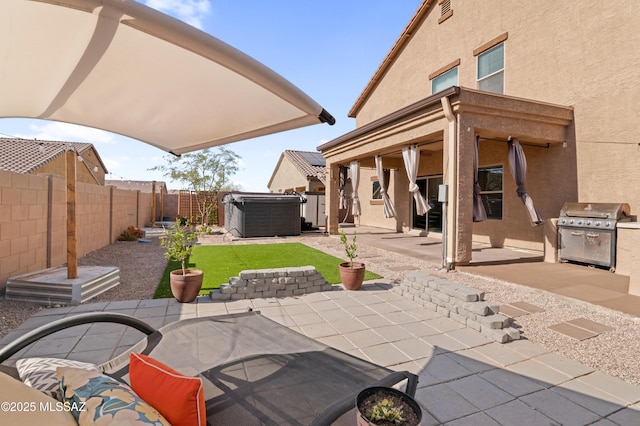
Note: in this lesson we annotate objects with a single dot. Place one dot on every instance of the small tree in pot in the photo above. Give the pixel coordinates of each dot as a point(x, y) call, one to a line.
point(179, 242)
point(351, 273)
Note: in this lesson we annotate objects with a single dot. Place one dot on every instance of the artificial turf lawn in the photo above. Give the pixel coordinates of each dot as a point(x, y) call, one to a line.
point(220, 263)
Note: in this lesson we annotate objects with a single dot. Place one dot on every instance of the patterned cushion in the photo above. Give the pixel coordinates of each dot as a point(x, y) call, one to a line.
point(96, 399)
point(40, 373)
point(26, 406)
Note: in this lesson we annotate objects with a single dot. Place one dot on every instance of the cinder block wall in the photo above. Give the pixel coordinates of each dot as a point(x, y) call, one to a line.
point(33, 224)
point(23, 224)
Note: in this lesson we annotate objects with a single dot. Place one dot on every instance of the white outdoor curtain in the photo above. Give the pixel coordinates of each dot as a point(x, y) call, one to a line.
point(518, 165)
point(479, 212)
point(411, 156)
point(383, 178)
point(342, 181)
point(355, 180)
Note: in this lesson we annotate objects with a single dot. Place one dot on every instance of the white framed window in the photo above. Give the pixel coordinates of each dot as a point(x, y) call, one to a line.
point(445, 80)
point(490, 180)
point(491, 70)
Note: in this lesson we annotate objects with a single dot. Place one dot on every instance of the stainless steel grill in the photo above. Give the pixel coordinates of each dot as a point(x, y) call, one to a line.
point(587, 232)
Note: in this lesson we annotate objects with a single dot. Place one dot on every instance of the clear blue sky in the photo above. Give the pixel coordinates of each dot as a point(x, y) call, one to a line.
point(329, 49)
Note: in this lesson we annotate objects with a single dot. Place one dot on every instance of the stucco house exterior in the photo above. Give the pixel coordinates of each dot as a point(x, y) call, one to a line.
point(41, 157)
point(302, 172)
point(559, 82)
point(299, 171)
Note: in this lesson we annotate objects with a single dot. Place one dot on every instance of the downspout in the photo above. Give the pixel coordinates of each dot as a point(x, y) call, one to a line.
point(450, 170)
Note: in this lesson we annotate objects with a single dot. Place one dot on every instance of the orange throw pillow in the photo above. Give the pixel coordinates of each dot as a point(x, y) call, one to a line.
point(179, 398)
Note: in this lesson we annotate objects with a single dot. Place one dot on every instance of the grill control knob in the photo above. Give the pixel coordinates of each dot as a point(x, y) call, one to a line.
point(579, 222)
point(570, 220)
point(598, 223)
point(588, 223)
point(607, 224)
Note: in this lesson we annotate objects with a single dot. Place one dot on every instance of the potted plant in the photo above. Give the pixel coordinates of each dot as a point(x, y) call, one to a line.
point(385, 406)
point(351, 273)
point(178, 242)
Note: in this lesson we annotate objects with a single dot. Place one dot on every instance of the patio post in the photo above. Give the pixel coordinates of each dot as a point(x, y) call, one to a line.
point(458, 155)
point(72, 242)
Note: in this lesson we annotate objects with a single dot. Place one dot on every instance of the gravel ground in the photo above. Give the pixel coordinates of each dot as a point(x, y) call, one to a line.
point(141, 267)
point(613, 352)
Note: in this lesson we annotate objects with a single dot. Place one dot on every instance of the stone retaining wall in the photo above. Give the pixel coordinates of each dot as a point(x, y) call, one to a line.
point(276, 282)
point(463, 304)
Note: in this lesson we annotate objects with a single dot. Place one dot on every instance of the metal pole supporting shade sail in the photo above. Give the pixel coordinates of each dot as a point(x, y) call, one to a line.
point(411, 156)
point(383, 178)
point(479, 212)
point(518, 165)
point(354, 168)
point(121, 66)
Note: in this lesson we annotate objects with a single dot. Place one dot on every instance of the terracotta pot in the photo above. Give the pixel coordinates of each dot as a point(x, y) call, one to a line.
point(368, 397)
point(352, 275)
point(185, 288)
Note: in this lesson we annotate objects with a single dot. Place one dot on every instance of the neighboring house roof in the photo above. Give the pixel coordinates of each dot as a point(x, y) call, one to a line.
point(144, 186)
point(28, 155)
point(397, 47)
point(310, 164)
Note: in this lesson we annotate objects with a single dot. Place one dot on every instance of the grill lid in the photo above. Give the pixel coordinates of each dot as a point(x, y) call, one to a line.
point(614, 211)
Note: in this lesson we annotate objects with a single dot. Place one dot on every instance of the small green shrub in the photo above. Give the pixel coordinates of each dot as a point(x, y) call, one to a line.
point(179, 242)
point(350, 248)
point(131, 234)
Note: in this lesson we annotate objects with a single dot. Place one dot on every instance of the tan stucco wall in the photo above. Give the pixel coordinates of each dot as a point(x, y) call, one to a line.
point(585, 56)
point(84, 168)
point(287, 177)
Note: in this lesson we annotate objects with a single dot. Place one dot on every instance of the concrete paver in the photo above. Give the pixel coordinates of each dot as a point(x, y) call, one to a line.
point(464, 378)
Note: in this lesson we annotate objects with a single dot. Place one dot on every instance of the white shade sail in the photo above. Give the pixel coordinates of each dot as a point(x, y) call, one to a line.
point(121, 66)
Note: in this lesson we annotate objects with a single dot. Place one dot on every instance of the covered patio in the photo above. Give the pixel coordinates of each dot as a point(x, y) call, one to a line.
point(450, 134)
point(523, 267)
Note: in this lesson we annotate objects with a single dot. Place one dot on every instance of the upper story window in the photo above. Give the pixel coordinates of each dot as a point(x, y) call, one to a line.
point(491, 69)
point(445, 77)
point(445, 80)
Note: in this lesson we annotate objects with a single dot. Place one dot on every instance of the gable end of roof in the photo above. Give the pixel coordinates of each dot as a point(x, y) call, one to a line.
point(400, 43)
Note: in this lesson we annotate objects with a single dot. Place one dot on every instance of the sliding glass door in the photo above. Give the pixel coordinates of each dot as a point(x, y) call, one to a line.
point(432, 221)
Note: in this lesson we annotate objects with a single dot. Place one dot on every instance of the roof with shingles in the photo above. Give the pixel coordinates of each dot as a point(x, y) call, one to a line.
point(300, 159)
point(27, 155)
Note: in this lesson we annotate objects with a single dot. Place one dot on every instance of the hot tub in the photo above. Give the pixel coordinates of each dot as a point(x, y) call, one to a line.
point(261, 215)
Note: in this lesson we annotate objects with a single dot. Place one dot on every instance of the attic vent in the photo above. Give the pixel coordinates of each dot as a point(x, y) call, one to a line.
point(445, 7)
point(445, 10)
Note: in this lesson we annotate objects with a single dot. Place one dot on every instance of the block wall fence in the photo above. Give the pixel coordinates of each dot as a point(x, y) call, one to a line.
point(33, 226)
